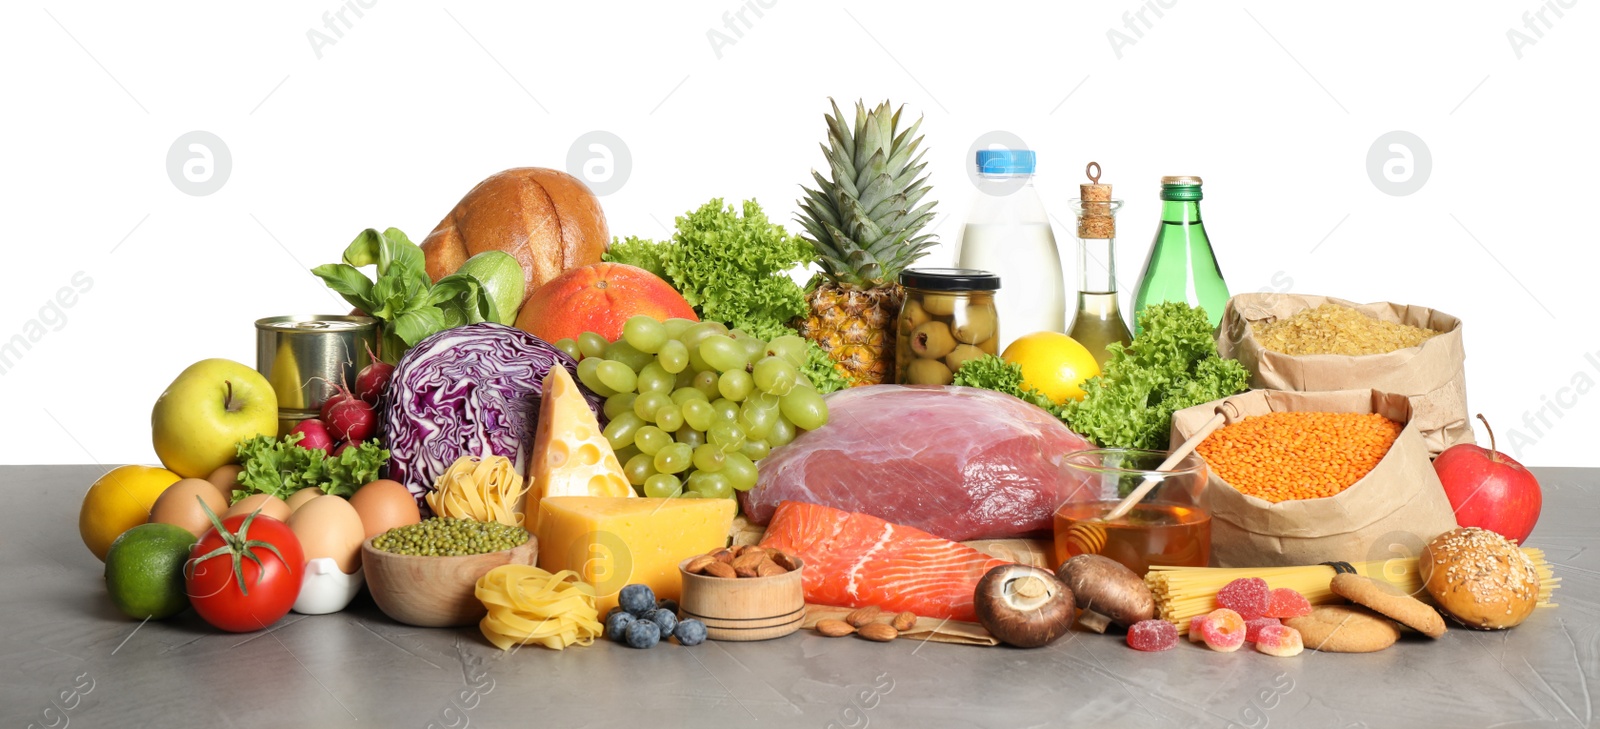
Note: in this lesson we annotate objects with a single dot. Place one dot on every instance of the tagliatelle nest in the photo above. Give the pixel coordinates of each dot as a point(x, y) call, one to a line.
point(483, 489)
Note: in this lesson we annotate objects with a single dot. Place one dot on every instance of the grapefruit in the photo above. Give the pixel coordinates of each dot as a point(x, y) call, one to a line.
point(599, 298)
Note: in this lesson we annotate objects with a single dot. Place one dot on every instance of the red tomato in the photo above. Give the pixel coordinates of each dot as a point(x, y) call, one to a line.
point(234, 592)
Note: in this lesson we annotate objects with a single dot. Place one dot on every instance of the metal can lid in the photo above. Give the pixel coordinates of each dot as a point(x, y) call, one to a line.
point(949, 279)
point(315, 323)
point(1181, 180)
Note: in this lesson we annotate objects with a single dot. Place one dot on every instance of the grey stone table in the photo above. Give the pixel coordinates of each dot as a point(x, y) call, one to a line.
point(67, 657)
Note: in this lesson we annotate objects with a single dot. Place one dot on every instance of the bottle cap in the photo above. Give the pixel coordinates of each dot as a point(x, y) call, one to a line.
point(1181, 187)
point(949, 279)
point(1006, 161)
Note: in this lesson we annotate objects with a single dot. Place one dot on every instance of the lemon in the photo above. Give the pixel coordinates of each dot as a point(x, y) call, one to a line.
point(144, 570)
point(119, 501)
point(1053, 363)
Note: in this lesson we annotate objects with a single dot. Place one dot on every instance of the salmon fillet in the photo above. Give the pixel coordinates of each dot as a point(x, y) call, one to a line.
point(856, 560)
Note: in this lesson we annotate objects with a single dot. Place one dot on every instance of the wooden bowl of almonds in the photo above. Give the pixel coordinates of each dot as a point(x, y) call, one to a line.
point(744, 593)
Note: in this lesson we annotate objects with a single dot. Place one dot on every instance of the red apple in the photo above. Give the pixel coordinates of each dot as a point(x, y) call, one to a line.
point(1489, 489)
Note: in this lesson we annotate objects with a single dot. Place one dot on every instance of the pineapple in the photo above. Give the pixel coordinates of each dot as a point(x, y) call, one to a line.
point(864, 223)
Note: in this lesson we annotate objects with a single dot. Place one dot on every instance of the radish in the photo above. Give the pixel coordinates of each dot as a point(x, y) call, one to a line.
point(351, 419)
point(340, 450)
point(373, 380)
point(340, 394)
point(314, 435)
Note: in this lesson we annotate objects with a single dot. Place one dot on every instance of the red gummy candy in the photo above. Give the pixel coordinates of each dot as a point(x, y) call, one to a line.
point(1152, 635)
point(1280, 640)
point(1223, 630)
point(1253, 626)
point(1195, 624)
point(1247, 596)
point(1286, 603)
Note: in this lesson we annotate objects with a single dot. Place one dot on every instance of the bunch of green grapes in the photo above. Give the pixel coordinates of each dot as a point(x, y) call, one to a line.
point(693, 405)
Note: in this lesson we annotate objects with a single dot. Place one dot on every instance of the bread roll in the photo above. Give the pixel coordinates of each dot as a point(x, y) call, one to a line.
point(1479, 578)
point(547, 219)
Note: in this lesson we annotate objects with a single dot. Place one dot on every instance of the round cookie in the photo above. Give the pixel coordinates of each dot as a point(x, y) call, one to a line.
point(1391, 603)
point(1345, 629)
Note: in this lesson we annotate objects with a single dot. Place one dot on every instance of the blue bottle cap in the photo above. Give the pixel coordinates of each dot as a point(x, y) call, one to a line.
point(1006, 161)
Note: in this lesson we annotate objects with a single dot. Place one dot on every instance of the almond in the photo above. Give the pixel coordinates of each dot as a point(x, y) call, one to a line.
point(769, 568)
point(724, 556)
point(834, 628)
point(904, 621)
point(784, 559)
point(747, 562)
point(721, 569)
point(879, 632)
point(699, 564)
point(862, 616)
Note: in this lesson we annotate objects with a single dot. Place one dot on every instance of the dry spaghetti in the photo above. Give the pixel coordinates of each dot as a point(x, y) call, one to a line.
point(482, 489)
point(529, 605)
point(1185, 592)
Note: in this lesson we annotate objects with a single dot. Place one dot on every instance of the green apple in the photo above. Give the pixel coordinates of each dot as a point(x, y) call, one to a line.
point(213, 405)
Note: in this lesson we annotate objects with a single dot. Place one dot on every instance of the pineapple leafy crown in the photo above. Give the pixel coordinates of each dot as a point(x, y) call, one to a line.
point(864, 219)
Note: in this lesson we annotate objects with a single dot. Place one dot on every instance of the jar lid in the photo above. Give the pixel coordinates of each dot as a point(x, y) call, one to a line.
point(949, 279)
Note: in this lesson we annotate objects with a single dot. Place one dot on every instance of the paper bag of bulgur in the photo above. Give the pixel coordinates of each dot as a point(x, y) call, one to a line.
point(1401, 496)
point(1432, 375)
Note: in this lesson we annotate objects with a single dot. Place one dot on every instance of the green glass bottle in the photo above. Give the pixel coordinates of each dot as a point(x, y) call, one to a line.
point(1181, 266)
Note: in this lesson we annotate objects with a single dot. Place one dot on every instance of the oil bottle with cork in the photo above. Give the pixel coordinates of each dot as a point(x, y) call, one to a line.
point(1098, 322)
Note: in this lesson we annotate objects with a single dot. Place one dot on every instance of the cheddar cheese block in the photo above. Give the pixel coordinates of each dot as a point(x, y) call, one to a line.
point(570, 455)
point(612, 543)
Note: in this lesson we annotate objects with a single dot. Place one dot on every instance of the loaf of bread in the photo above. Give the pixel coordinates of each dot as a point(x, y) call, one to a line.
point(547, 219)
point(1479, 578)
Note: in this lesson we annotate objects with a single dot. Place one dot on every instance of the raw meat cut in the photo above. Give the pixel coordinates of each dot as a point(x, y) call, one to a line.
point(855, 560)
point(958, 462)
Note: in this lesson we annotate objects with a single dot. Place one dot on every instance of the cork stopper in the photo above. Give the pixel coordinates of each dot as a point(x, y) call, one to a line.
point(1095, 220)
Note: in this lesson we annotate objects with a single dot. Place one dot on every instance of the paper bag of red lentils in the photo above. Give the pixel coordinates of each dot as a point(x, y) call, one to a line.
point(1399, 497)
point(1432, 375)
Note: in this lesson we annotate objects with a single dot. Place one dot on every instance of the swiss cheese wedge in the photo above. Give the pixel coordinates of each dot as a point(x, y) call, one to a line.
point(570, 455)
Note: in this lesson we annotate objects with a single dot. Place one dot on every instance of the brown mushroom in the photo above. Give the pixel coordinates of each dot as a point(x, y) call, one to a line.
point(1107, 592)
point(1024, 606)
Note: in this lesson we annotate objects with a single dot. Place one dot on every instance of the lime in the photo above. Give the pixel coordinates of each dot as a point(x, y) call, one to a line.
point(144, 570)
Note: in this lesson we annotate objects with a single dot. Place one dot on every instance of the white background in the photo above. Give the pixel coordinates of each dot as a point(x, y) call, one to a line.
point(1275, 105)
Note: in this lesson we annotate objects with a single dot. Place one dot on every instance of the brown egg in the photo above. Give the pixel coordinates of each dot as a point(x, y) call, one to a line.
point(226, 479)
point(299, 498)
point(180, 506)
point(328, 526)
point(384, 505)
point(269, 505)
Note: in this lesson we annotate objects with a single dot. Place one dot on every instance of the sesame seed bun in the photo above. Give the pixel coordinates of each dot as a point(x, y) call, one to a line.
point(1479, 578)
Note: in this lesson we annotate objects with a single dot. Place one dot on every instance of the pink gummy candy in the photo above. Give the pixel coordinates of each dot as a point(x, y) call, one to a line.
point(1223, 630)
point(1286, 603)
point(1247, 596)
point(1195, 624)
point(1280, 640)
point(1152, 635)
point(1253, 626)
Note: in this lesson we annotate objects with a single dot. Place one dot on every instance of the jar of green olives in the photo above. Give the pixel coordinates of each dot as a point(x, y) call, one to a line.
point(948, 318)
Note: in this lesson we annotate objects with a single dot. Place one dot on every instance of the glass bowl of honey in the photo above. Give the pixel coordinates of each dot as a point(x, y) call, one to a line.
point(1166, 527)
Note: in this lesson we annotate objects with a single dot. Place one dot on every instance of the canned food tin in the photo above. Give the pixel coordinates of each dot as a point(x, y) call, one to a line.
point(306, 356)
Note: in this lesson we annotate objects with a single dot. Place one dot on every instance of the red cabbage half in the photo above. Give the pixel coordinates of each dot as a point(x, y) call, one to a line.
point(469, 391)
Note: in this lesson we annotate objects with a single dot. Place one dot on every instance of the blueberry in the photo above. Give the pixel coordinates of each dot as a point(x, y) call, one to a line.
point(668, 604)
point(617, 625)
point(691, 632)
point(643, 634)
point(613, 611)
point(664, 620)
point(637, 599)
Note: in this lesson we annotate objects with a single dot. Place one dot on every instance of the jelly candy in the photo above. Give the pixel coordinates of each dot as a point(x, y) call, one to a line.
point(1286, 603)
point(1247, 596)
point(1152, 635)
point(1223, 630)
point(1280, 640)
point(1194, 628)
point(1253, 626)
